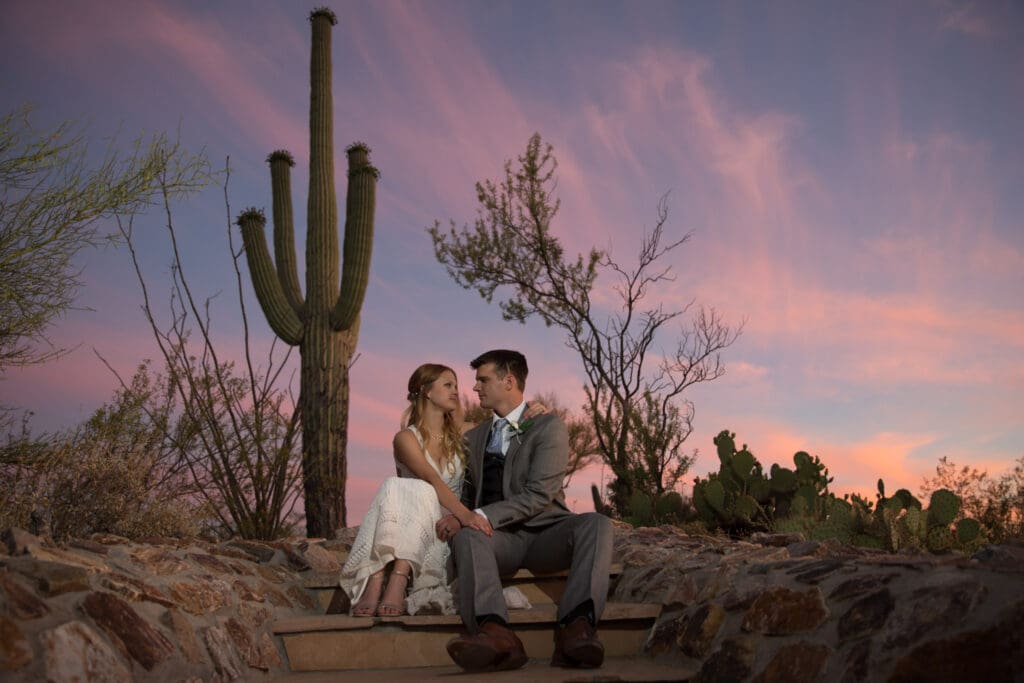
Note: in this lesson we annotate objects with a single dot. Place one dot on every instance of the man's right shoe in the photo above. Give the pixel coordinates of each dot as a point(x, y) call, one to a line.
point(493, 648)
point(576, 645)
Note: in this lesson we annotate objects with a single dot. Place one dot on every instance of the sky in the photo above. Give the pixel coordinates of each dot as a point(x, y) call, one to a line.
point(851, 174)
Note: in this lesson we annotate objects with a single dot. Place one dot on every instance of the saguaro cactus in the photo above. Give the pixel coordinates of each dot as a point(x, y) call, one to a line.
point(324, 325)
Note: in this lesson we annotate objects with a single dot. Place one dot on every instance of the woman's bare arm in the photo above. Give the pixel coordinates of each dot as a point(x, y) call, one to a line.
point(410, 454)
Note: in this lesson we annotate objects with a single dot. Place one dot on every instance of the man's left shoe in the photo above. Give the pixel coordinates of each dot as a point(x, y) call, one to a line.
point(576, 645)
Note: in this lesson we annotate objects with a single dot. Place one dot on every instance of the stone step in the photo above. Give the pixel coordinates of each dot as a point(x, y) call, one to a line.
point(632, 669)
point(340, 643)
point(538, 588)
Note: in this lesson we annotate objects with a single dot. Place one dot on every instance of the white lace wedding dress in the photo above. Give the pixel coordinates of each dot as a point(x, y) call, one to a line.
point(400, 524)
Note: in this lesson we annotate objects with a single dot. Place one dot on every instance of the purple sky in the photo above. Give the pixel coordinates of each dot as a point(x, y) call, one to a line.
point(852, 173)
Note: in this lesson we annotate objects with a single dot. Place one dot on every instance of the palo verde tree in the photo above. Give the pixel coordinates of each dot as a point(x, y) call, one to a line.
point(54, 201)
point(324, 325)
point(635, 395)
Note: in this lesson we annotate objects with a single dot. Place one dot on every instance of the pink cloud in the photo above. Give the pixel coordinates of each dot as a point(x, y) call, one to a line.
point(227, 66)
point(884, 340)
point(224, 63)
point(451, 110)
point(970, 20)
point(748, 152)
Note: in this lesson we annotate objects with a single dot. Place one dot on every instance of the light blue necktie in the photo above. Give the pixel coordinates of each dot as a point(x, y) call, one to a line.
point(494, 444)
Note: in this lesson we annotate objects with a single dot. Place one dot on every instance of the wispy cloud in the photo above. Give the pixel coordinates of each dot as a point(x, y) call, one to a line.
point(969, 18)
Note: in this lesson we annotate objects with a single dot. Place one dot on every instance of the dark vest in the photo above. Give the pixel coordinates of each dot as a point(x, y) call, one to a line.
point(490, 487)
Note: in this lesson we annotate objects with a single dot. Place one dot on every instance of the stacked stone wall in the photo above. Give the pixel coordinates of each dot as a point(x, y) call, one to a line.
point(769, 609)
point(778, 608)
point(108, 609)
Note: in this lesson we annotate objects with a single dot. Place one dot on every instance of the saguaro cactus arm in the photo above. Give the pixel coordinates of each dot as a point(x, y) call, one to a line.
point(360, 202)
point(282, 317)
point(281, 163)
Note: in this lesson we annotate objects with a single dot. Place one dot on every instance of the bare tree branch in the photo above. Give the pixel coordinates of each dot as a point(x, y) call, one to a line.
point(634, 393)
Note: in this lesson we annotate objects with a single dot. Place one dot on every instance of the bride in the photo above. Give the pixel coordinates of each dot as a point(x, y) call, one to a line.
point(398, 532)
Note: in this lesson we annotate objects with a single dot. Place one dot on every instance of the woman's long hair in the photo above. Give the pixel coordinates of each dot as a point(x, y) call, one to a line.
point(452, 446)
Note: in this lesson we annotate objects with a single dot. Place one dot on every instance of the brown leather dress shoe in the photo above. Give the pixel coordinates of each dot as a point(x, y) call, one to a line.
point(493, 648)
point(577, 645)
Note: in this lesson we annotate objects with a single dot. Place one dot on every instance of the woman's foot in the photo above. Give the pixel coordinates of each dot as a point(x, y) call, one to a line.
point(393, 602)
point(367, 605)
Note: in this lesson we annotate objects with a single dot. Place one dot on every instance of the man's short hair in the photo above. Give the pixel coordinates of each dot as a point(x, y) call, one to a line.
point(505, 362)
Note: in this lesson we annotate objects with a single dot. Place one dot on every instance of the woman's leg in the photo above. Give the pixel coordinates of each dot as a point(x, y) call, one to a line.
point(367, 605)
point(392, 604)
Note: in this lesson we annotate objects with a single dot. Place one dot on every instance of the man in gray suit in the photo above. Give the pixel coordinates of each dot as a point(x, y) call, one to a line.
point(514, 479)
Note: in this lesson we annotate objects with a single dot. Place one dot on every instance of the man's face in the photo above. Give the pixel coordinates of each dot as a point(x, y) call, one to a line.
point(489, 388)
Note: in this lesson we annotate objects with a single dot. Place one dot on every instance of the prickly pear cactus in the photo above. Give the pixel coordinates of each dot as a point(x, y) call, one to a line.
point(901, 522)
point(739, 498)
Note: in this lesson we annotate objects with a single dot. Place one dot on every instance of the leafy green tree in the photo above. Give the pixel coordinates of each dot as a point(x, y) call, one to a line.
point(635, 394)
point(53, 204)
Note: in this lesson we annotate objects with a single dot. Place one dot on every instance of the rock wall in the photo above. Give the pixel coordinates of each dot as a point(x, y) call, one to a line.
point(779, 608)
point(775, 608)
point(106, 609)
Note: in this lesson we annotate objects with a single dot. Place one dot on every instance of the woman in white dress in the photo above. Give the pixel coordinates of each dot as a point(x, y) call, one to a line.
point(398, 533)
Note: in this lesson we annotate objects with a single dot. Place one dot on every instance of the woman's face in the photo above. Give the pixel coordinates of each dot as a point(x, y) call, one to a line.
point(444, 392)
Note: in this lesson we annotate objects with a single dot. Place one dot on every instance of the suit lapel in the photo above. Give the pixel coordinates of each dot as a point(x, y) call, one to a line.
point(510, 458)
point(476, 462)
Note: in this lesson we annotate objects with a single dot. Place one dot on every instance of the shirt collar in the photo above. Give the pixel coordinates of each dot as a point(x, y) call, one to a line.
point(513, 416)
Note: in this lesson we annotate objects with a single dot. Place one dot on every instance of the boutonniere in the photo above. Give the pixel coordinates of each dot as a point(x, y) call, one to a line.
point(520, 428)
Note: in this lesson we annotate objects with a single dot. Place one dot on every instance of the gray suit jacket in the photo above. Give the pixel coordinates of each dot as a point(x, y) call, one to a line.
point(532, 482)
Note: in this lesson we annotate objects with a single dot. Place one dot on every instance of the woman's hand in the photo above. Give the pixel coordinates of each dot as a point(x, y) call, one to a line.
point(447, 527)
point(450, 524)
point(476, 521)
point(535, 408)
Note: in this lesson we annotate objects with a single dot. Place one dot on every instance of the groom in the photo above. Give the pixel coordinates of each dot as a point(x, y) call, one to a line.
point(514, 479)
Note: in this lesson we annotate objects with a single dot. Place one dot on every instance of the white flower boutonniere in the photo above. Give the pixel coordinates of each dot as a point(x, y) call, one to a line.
point(520, 428)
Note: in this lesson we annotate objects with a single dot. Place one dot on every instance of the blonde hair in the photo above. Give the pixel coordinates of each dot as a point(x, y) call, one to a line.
point(452, 444)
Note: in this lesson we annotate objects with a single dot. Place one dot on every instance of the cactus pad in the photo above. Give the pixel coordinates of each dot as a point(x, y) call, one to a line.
point(714, 493)
point(783, 480)
point(943, 508)
point(743, 465)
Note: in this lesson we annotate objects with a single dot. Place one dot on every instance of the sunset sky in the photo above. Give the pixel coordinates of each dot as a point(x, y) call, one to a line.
point(852, 174)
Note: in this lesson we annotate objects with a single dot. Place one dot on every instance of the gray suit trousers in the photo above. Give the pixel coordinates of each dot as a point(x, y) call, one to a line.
point(580, 543)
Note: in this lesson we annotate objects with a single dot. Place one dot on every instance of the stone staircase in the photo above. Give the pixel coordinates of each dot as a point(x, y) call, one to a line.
point(338, 642)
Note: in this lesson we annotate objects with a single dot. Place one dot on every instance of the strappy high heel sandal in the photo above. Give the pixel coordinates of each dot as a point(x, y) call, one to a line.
point(367, 605)
point(390, 609)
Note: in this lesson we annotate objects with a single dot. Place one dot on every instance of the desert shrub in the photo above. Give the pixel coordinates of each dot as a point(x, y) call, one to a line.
point(150, 463)
point(115, 473)
point(996, 502)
